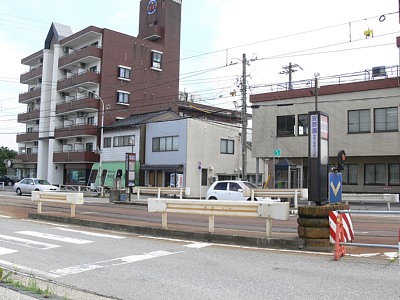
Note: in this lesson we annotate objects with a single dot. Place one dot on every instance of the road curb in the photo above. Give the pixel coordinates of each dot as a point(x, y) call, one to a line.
point(263, 242)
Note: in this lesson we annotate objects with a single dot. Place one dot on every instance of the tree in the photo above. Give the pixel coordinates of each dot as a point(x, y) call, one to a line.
point(5, 153)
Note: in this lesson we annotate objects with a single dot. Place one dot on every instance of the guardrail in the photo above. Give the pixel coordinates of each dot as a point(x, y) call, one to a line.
point(162, 191)
point(59, 197)
point(340, 250)
point(280, 193)
point(92, 190)
point(212, 208)
point(374, 198)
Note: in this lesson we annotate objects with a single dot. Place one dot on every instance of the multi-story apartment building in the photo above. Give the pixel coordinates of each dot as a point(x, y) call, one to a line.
point(81, 82)
point(363, 111)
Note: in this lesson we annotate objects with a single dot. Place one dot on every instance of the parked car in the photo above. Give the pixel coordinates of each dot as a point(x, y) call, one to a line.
point(27, 185)
point(231, 190)
point(7, 180)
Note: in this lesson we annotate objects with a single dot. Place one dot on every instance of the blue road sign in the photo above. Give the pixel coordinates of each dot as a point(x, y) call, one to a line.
point(335, 187)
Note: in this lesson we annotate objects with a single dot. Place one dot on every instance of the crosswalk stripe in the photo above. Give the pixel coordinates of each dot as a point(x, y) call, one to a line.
point(55, 237)
point(91, 233)
point(26, 243)
point(7, 251)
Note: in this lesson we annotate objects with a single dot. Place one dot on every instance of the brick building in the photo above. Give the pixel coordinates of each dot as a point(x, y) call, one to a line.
point(81, 82)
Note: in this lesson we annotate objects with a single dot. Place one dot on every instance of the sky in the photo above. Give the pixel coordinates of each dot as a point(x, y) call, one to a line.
point(319, 36)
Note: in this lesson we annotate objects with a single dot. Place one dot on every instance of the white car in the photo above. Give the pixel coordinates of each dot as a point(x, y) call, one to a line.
point(231, 190)
point(27, 185)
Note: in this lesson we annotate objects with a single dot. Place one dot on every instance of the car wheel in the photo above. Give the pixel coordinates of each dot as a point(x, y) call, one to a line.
point(212, 198)
point(19, 192)
point(255, 199)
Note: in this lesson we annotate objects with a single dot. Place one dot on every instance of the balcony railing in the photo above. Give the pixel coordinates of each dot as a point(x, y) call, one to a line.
point(27, 137)
point(27, 158)
point(78, 104)
point(30, 95)
point(32, 74)
point(75, 156)
point(84, 55)
point(83, 77)
point(75, 130)
point(28, 116)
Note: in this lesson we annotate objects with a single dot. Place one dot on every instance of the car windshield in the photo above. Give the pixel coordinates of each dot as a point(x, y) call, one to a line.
point(249, 185)
point(42, 182)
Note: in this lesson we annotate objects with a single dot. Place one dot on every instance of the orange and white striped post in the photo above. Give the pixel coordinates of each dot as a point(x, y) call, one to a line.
point(340, 250)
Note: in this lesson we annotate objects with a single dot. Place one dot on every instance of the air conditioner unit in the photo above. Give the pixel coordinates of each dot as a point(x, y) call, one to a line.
point(64, 94)
point(62, 118)
point(62, 141)
point(214, 178)
point(80, 114)
point(66, 49)
point(64, 71)
point(82, 65)
point(78, 139)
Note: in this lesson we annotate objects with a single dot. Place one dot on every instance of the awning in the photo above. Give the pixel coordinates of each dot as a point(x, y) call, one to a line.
point(161, 167)
point(284, 164)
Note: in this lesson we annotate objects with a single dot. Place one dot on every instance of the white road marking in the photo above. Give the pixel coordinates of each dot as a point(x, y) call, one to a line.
point(5, 217)
point(110, 263)
point(46, 223)
point(198, 245)
point(55, 237)
point(26, 243)
point(92, 233)
point(7, 251)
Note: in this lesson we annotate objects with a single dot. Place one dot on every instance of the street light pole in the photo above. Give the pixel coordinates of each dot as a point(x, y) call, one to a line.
point(101, 130)
point(244, 120)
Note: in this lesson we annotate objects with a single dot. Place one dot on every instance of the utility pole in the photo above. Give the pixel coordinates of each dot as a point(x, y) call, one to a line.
point(244, 120)
point(288, 70)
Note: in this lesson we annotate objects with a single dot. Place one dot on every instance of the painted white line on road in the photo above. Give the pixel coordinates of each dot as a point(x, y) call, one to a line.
point(27, 270)
point(7, 251)
point(198, 245)
point(110, 263)
point(46, 223)
point(55, 237)
point(91, 233)
point(26, 243)
point(5, 217)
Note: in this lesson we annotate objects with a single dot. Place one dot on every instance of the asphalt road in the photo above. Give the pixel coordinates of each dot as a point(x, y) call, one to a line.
point(119, 265)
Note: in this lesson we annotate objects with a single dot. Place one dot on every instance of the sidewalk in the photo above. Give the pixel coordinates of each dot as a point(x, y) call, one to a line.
point(9, 294)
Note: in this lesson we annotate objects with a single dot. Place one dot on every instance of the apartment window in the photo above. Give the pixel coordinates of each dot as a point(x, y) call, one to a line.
point(386, 119)
point(122, 141)
point(374, 174)
point(302, 127)
point(394, 174)
point(350, 174)
point(359, 121)
point(107, 142)
point(156, 60)
point(90, 121)
point(124, 73)
point(168, 143)
point(285, 125)
point(89, 147)
point(227, 146)
point(122, 97)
